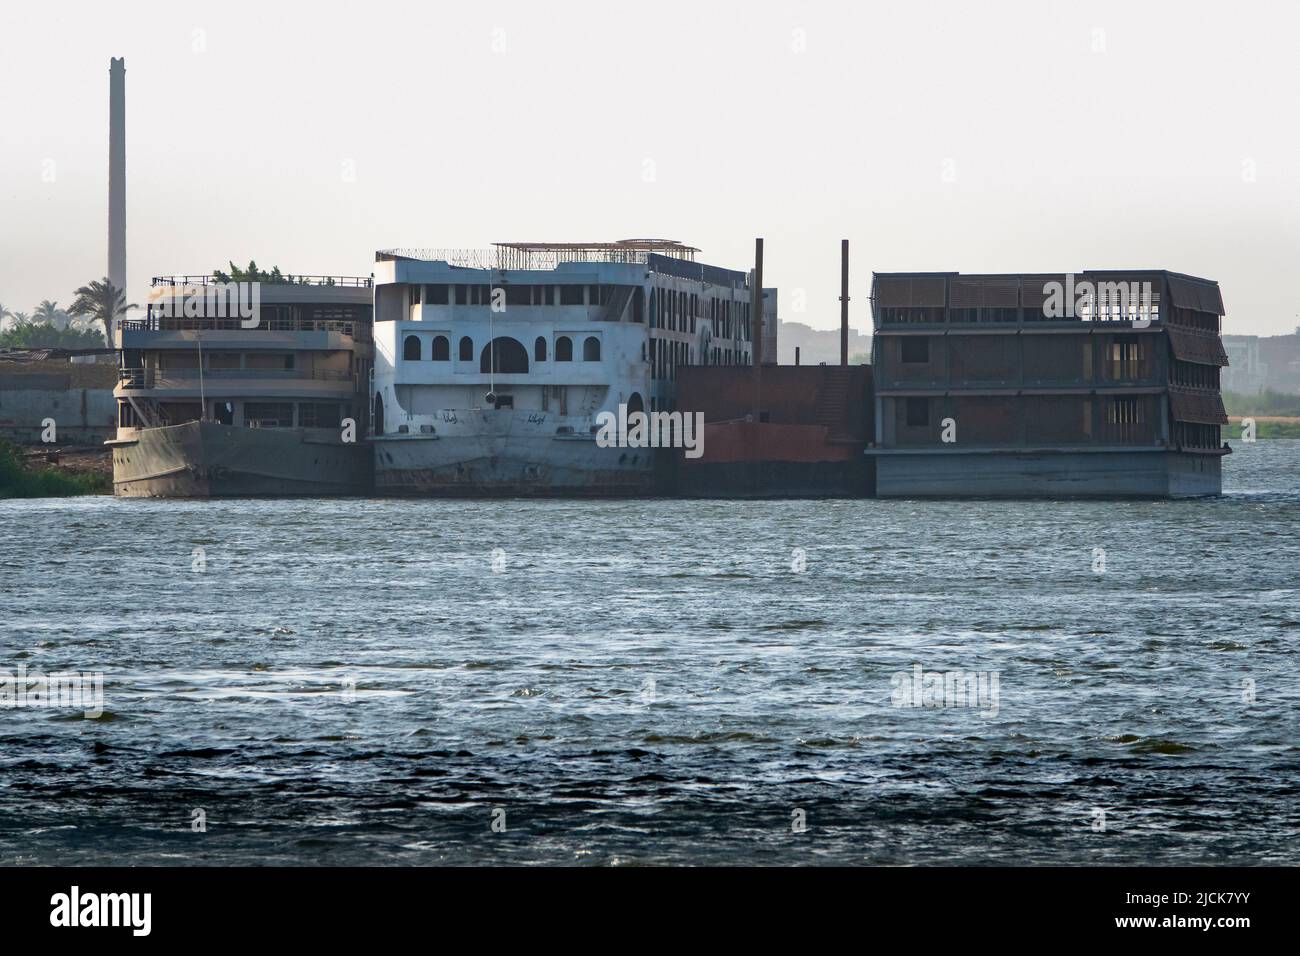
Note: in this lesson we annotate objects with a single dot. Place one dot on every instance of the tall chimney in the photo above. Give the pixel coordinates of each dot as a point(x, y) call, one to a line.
point(756, 327)
point(117, 172)
point(844, 302)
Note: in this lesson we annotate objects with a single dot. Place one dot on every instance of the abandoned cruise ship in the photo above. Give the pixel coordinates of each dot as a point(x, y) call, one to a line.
point(491, 367)
point(263, 397)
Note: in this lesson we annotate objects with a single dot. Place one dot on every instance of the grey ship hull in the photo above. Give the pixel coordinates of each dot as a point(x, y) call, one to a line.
point(208, 460)
point(510, 465)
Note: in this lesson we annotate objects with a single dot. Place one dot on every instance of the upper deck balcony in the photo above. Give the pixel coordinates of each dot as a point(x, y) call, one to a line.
point(316, 312)
point(318, 383)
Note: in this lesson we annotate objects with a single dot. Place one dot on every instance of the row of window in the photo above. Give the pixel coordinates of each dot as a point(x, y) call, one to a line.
point(511, 294)
point(1121, 415)
point(1127, 359)
point(256, 414)
point(679, 312)
point(440, 350)
point(911, 315)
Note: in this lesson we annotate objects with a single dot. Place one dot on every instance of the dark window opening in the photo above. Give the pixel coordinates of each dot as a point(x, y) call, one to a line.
point(505, 355)
point(918, 413)
point(591, 349)
point(539, 349)
point(564, 349)
point(411, 348)
point(319, 415)
point(466, 349)
point(441, 349)
point(268, 414)
point(916, 350)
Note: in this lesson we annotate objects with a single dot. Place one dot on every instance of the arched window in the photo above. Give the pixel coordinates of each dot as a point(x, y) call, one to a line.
point(441, 349)
point(466, 349)
point(591, 349)
point(539, 349)
point(411, 348)
point(564, 349)
point(505, 354)
point(378, 425)
point(635, 403)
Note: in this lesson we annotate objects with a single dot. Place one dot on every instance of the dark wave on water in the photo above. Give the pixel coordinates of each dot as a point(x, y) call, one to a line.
point(356, 682)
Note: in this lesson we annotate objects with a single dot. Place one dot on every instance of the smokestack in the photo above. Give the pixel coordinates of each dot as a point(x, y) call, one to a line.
point(844, 302)
point(756, 327)
point(117, 172)
point(756, 303)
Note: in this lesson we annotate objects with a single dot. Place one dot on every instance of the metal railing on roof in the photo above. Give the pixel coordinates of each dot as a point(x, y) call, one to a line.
point(347, 282)
point(540, 256)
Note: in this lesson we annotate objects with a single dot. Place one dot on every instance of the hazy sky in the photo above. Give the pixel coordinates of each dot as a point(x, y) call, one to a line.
point(935, 136)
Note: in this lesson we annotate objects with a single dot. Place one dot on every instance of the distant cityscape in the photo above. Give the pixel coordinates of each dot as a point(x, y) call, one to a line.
point(1262, 363)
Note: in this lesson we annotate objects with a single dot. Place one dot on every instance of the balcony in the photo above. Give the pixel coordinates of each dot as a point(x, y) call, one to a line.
point(154, 323)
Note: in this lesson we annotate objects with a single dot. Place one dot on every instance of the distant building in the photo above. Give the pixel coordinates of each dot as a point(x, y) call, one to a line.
point(820, 345)
point(1023, 385)
point(1281, 360)
point(1246, 371)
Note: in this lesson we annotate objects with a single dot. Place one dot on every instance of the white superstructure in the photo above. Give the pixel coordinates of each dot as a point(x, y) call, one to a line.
point(490, 368)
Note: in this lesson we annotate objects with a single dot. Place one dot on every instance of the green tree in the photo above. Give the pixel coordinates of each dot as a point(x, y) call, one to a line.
point(103, 302)
point(50, 313)
point(253, 274)
point(44, 335)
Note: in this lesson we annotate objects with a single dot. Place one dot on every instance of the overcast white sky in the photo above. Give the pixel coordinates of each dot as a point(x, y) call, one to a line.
point(991, 136)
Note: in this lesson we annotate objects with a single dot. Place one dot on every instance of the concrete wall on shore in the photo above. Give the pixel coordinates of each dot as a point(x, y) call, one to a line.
point(82, 416)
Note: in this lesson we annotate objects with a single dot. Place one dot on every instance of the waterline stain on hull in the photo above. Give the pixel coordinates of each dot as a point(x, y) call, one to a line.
point(511, 465)
point(208, 460)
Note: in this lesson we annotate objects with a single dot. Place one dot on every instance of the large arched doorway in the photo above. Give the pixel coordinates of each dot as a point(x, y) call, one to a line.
point(505, 355)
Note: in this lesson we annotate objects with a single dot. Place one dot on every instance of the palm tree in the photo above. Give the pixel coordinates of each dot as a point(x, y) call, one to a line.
point(4, 314)
point(20, 318)
point(102, 301)
point(50, 312)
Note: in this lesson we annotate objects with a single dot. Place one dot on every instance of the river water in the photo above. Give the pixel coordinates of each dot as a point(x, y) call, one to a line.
point(632, 682)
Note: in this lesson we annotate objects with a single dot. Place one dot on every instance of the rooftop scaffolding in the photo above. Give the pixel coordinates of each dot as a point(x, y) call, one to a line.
point(547, 255)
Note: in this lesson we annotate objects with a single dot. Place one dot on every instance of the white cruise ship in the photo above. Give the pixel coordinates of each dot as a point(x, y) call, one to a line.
point(491, 367)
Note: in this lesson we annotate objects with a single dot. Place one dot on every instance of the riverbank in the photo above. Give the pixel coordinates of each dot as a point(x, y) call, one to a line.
point(1266, 426)
point(54, 471)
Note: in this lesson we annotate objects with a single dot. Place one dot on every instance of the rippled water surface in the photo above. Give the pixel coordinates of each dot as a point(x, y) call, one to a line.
point(651, 681)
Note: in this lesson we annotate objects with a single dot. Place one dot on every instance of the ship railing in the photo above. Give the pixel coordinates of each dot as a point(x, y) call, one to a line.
point(544, 256)
point(189, 377)
point(154, 323)
point(347, 282)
